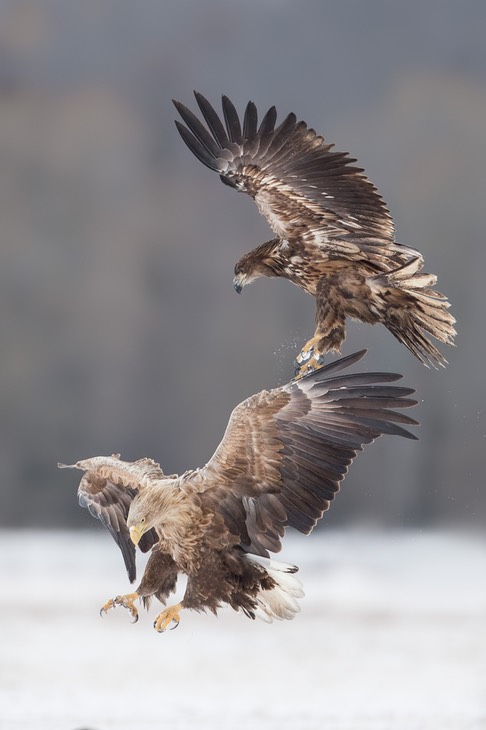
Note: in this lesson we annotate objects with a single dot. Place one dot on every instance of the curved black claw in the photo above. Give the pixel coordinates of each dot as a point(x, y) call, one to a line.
point(125, 601)
point(174, 621)
point(168, 617)
point(162, 631)
point(106, 606)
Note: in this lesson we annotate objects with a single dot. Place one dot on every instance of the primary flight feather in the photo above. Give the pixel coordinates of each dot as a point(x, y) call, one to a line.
point(280, 463)
point(335, 236)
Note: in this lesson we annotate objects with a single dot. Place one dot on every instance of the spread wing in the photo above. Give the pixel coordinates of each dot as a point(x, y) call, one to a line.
point(299, 184)
point(285, 451)
point(109, 502)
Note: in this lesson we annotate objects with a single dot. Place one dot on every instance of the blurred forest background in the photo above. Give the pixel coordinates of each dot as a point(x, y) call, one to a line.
point(120, 328)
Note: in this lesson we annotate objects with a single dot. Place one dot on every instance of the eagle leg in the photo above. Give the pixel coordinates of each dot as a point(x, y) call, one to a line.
point(309, 358)
point(171, 614)
point(125, 601)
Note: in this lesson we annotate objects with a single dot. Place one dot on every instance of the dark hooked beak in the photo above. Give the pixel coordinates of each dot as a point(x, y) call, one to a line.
point(237, 286)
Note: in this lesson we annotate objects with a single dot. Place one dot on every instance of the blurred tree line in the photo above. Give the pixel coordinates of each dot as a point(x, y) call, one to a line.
point(120, 328)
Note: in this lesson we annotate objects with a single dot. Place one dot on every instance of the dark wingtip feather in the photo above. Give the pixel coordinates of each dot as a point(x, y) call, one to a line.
point(250, 121)
point(197, 148)
point(212, 120)
point(128, 552)
point(268, 122)
point(232, 120)
point(180, 107)
point(334, 367)
point(197, 128)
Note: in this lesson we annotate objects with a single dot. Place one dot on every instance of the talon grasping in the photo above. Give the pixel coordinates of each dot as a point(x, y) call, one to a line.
point(125, 601)
point(314, 363)
point(171, 614)
point(309, 359)
point(303, 356)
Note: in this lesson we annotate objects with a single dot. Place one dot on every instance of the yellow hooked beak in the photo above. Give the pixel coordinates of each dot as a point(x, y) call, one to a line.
point(136, 532)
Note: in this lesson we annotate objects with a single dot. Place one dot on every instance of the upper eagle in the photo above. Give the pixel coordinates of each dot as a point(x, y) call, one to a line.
point(282, 458)
point(335, 236)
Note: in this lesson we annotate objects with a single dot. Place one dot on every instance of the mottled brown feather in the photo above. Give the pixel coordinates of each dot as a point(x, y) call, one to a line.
point(291, 160)
point(295, 444)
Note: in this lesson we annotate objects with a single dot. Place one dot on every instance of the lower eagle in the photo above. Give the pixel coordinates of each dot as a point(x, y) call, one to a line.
point(280, 463)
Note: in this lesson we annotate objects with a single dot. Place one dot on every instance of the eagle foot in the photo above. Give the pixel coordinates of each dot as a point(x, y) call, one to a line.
point(309, 359)
point(125, 601)
point(170, 615)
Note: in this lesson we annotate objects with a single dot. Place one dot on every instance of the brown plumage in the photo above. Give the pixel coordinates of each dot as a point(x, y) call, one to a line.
point(280, 463)
point(335, 236)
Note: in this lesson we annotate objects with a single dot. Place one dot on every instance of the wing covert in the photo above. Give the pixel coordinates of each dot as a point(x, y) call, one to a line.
point(285, 451)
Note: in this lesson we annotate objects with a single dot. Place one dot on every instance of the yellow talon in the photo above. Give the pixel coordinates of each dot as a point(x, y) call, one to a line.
point(125, 601)
point(314, 363)
point(106, 606)
point(171, 614)
point(309, 349)
point(309, 358)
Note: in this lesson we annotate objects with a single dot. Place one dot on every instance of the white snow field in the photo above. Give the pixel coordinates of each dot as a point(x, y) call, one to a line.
point(391, 636)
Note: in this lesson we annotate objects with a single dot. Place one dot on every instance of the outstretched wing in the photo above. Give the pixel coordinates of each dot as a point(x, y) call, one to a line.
point(285, 451)
point(110, 502)
point(298, 183)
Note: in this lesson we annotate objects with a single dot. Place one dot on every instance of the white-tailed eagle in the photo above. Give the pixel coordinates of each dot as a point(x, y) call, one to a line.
point(280, 463)
point(335, 237)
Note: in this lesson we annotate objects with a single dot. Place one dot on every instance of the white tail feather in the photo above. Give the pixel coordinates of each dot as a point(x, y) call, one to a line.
point(280, 601)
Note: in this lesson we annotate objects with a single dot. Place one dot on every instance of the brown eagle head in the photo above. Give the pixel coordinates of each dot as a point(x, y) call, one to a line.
point(262, 261)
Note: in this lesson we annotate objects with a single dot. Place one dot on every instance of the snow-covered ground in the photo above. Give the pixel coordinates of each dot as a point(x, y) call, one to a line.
point(391, 636)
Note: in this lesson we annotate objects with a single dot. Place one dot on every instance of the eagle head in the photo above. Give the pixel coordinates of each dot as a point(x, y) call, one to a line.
point(244, 274)
point(138, 521)
point(263, 261)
